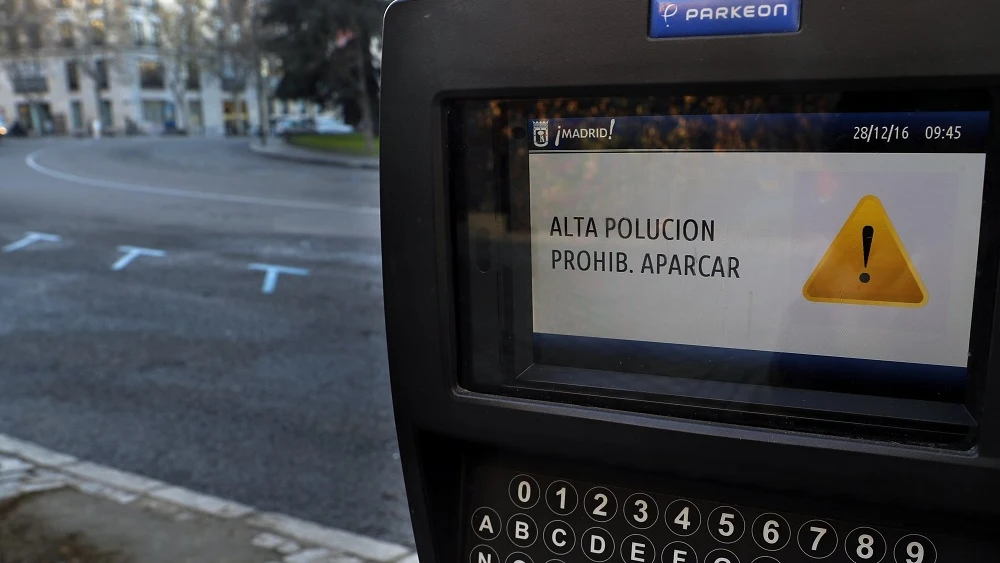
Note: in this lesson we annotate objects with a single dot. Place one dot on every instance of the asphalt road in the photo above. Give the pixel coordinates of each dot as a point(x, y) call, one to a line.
point(178, 365)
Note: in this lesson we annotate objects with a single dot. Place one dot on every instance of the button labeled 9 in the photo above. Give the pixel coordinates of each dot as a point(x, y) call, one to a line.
point(914, 548)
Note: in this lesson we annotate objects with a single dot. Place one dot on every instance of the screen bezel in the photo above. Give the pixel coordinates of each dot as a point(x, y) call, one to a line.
point(503, 318)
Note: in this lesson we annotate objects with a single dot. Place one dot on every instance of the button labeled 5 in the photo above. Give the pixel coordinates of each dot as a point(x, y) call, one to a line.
point(726, 524)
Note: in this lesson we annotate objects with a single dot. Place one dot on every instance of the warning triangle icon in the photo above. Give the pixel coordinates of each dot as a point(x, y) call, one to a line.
point(866, 264)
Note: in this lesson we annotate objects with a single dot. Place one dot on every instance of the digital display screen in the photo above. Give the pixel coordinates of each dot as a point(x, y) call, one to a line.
point(750, 249)
point(862, 247)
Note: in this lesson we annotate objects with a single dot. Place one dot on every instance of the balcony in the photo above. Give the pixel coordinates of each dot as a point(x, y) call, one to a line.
point(30, 84)
point(233, 84)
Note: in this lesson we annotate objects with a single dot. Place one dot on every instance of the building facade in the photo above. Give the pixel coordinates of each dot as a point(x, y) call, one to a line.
point(58, 74)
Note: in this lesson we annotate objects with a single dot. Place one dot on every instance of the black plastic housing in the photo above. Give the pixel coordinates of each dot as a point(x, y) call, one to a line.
point(441, 50)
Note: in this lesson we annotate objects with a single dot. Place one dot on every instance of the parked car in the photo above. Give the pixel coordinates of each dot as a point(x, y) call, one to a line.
point(3, 128)
point(286, 125)
point(331, 126)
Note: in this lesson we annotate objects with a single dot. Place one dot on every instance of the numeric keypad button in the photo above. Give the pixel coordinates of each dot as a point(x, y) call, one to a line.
point(600, 504)
point(765, 559)
point(817, 539)
point(559, 537)
point(523, 491)
point(914, 548)
point(637, 549)
point(486, 523)
point(640, 510)
point(484, 554)
point(726, 524)
point(521, 530)
point(561, 498)
point(682, 517)
point(770, 531)
point(865, 545)
point(721, 556)
point(597, 544)
point(518, 557)
point(678, 552)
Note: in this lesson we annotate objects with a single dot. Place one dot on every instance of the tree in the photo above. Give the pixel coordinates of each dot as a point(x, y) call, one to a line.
point(329, 52)
point(184, 49)
point(238, 50)
point(95, 35)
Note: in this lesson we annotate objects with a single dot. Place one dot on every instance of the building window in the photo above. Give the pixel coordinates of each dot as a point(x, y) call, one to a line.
point(34, 33)
point(107, 118)
point(66, 34)
point(76, 114)
point(12, 40)
point(138, 33)
point(151, 75)
point(101, 72)
point(65, 3)
point(72, 76)
point(97, 32)
point(193, 76)
point(155, 33)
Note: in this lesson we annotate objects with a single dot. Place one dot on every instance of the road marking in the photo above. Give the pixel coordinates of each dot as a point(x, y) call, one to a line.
point(32, 162)
point(133, 252)
point(271, 273)
point(31, 237)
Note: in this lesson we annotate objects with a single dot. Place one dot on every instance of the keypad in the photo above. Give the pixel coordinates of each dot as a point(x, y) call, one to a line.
point(553, 519)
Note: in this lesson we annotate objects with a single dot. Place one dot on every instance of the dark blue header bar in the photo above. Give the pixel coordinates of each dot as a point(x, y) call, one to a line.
point(948, 131)
point(690, 18)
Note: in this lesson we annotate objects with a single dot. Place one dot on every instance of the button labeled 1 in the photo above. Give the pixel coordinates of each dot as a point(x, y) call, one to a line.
point(817, 539)
point(561, 498)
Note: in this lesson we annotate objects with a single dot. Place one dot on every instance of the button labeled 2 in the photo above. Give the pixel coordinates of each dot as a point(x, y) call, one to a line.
point(600, 504)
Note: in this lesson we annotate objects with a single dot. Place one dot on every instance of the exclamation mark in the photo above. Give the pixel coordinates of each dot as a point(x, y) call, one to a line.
point(611, 130)
point(867, 233)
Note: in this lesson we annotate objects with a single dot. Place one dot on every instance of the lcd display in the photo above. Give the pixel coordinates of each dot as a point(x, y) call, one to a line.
point(777, 245)
point(839, 254)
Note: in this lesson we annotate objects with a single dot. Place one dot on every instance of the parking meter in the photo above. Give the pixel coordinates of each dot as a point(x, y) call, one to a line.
point(694, 281)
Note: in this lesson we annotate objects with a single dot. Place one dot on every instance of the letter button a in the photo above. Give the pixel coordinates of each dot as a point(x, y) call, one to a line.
point(486, 523)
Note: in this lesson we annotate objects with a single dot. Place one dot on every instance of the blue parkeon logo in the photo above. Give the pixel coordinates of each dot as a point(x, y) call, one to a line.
point(690, 18)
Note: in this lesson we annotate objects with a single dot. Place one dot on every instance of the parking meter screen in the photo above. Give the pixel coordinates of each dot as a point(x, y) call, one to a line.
point(832, 250)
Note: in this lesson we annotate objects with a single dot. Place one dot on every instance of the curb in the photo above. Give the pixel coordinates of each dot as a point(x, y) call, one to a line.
point(308, 157)
point(29, 468)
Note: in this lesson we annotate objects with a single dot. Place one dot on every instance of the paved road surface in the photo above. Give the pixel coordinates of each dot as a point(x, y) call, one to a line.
point(178, 366)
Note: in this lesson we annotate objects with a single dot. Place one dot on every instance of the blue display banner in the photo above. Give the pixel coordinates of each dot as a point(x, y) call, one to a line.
point(930, 131)
point(692, 18)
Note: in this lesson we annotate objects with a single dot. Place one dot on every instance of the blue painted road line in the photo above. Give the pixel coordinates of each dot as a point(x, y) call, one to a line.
point(271, 273)
point(30, 238)
point(133, 252)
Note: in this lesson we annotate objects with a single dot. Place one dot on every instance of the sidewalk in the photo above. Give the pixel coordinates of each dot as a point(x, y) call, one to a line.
point(276, 147)
point(54, 507)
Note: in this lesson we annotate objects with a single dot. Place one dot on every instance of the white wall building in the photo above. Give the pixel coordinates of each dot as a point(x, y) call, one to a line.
point(42, 85)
